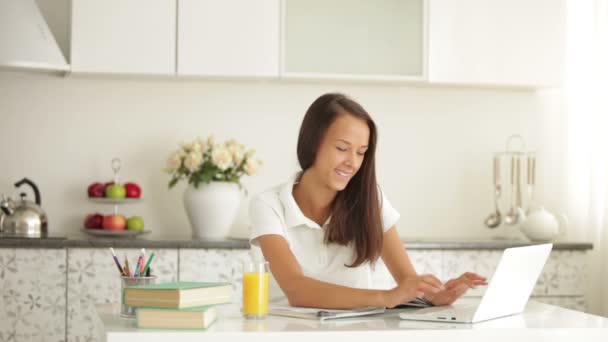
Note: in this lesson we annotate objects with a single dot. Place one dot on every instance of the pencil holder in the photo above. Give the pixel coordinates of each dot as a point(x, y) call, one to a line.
point(128, 311)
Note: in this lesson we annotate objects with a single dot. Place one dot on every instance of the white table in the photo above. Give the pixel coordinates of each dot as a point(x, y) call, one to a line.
point(538, 322)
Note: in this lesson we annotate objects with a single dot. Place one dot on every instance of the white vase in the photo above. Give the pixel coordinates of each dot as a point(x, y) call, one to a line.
point(212, 208)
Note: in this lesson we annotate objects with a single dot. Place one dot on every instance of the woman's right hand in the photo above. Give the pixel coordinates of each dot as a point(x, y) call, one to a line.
point(410, 288)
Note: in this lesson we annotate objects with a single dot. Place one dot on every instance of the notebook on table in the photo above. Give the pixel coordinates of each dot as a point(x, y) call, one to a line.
point(178, 294)
point(319, 313)
point(199, 317)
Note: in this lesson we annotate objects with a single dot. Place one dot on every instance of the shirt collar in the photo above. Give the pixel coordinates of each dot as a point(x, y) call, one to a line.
point(293, 214)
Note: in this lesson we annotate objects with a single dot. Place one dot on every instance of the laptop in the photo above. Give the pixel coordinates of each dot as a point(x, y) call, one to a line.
point(506, 294)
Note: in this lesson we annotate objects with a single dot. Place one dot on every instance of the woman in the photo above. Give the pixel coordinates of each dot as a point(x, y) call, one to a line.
point(323, 231)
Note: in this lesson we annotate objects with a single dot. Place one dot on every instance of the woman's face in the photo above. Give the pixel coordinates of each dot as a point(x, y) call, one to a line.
point(341, 151)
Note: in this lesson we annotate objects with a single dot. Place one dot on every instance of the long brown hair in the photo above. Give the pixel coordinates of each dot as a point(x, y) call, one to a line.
point(356, 209)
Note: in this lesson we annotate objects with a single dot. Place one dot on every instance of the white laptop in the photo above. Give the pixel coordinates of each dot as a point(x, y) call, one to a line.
point(506, 294)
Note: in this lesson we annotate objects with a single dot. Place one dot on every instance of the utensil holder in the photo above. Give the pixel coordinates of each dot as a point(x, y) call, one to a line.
point(512, 161)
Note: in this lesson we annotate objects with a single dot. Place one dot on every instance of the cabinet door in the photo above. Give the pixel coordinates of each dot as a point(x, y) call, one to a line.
point(354, 39)
point(123, 36)
point(496, 42)
point(93, 278)
point(228, 38)
point(222, 265)
point(33, 300)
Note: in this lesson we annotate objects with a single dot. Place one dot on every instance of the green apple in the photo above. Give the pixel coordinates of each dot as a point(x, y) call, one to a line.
point(135, 223)
point(116, 191)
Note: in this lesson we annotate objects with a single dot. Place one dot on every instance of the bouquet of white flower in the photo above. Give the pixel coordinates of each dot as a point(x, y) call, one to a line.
point(204, 161)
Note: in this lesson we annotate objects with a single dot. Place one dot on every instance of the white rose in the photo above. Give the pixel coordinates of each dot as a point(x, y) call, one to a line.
point(203, 144)
point(193, 161)
point(221, 157)
point(174, 162)
point(252, 167)
point(249, 153)
point(211, 141)
point(196, 147)
point(238, 152)
point(186, 146)
point(231, 142)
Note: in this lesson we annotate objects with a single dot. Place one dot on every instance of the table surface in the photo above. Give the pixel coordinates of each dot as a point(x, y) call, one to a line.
point(538, 321)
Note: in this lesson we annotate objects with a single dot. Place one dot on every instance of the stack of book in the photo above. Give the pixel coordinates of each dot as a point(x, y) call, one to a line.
point(177, 305)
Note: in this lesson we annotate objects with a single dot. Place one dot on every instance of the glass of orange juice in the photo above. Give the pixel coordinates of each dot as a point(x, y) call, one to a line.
point(255, 289)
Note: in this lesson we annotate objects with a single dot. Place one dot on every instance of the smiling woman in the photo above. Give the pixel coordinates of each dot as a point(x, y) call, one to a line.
point(323, 231)
point(336, 147)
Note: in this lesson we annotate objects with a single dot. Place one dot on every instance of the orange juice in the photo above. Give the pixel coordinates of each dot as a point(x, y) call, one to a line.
point(255, 293)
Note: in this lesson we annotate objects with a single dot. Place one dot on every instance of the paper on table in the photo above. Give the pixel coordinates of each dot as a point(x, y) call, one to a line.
point(320, 313)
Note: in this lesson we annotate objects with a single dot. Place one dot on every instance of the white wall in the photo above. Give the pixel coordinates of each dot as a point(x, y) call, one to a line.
point(434, 153)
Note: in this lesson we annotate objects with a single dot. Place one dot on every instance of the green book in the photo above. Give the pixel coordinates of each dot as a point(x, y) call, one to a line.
point(190, 318)
point(178, 294)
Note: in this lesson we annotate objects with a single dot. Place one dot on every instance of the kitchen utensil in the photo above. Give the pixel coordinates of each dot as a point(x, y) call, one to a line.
point(494, 219)
point(531, 180)
point(512, 214)
point(518, 202)
point(23, 217)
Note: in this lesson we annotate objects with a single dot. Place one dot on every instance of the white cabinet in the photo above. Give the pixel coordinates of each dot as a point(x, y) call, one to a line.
point(354, 39)
point(496, 42)
point(228, 38)
point(93, 278)
point(558, 284)
point(465, 42)
point(32, 300)
point(123, 36)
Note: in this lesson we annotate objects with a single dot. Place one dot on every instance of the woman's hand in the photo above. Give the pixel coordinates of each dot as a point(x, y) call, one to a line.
point(455, 288)
point(410, 288)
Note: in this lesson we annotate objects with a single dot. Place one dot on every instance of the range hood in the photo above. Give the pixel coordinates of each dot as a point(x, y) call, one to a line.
point(25, 38)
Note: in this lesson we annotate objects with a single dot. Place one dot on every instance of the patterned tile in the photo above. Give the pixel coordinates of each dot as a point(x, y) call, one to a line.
point(33, 301)
point(32, 287)
point(482, 262)
point(224, 265)
point(577, 303)
point(563, 274)
point(93, 278)
point(427, 262)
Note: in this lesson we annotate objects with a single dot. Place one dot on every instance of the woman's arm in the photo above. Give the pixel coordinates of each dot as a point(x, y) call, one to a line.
point(398, 263)
point(308, 292)
point(395, 256)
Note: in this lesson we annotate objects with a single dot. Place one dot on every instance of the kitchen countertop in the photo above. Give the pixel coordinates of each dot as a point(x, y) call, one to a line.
point(96, 242)
point(538, 322)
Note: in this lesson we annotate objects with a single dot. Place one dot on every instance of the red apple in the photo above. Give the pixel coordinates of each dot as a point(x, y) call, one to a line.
point(114, 222)
point(96, 190)
point(93, 221)
point(133, 190)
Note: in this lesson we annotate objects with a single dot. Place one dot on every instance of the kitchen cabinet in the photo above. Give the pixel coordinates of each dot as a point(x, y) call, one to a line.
point(123, 36)
point(92, 278)
point(222, 265)
point(469, 42)
point(49, 294)
point(559, 283)
point(32, 288)
point(496, 42)
point(228, 38)
point(517, 43)
point(354, 39)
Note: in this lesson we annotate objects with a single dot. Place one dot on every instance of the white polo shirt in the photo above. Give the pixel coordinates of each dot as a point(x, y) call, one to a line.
point(275, 211)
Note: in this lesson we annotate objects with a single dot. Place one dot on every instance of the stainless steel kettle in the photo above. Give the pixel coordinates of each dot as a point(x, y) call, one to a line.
point(23, 218)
